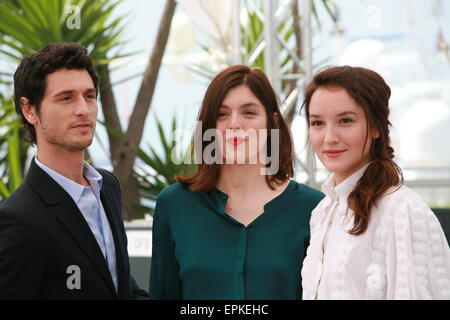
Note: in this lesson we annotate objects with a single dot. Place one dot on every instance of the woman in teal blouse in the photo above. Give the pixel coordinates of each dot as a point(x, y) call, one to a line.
point(239, 227)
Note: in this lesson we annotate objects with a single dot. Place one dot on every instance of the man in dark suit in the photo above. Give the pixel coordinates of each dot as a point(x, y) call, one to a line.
point(61, 231)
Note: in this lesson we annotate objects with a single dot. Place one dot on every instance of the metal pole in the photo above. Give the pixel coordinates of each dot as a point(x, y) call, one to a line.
point(307, 40)
point(236, 33)
point(307, 58)
point(271, 63)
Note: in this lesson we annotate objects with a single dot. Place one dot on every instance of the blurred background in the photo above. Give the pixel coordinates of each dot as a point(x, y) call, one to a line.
point(156, 58)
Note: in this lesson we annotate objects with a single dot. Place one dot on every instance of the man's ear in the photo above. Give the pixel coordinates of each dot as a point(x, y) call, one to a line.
point(29, 111)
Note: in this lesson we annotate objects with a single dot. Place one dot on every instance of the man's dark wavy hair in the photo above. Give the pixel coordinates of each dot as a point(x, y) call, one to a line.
point(30, 76)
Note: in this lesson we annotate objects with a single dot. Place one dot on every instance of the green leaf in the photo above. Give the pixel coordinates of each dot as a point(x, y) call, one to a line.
point(4, 192)
point(14, 160)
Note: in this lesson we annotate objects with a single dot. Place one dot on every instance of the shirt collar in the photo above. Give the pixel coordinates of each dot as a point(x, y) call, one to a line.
point(74, 189)
point(343, 189)
point(218, 200)
point(94, 177)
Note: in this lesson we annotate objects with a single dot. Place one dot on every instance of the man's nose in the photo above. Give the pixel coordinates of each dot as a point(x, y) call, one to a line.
point(82, 106)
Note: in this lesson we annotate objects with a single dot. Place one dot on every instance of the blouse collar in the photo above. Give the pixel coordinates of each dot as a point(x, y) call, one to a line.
point(218, 199)
point(343, 189)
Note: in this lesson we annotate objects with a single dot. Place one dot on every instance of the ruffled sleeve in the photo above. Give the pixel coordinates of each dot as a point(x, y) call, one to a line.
point(417, 253)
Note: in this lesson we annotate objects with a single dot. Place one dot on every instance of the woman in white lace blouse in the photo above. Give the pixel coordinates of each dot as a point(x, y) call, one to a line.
point(371, 236)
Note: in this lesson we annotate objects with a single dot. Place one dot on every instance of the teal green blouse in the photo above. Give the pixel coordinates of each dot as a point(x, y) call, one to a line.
point(200, 252)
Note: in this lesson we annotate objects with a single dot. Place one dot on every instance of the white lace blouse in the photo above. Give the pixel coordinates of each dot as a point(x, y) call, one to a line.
point(403, 254)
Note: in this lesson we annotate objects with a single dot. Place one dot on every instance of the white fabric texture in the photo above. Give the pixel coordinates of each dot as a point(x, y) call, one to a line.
point(403, 254)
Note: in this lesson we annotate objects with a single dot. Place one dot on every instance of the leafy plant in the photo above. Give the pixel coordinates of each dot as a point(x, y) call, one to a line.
point(12, 150)
point(27, 26)
point(156, 170)
point(252, 46)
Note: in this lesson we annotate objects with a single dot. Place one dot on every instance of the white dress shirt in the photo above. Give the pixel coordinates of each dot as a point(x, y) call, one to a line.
point(403, 254)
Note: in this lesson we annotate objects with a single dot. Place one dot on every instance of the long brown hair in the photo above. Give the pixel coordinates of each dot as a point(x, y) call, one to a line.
point(207, 175)
point(372, 94)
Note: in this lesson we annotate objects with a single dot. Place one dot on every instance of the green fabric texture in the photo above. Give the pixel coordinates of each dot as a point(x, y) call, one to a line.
point(200, 252)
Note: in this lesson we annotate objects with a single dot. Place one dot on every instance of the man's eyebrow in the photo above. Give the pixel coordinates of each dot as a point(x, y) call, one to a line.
point(60, 93)
point(63, 92)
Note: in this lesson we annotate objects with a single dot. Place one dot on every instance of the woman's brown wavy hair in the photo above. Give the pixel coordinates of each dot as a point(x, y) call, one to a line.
point(207, 175)
point(372, 94)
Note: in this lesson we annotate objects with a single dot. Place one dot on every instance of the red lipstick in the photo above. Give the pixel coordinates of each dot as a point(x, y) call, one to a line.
point(235, 141)
point(333, 153)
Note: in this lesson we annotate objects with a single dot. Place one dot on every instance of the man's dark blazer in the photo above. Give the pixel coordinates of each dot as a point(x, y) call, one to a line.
point(43, 233)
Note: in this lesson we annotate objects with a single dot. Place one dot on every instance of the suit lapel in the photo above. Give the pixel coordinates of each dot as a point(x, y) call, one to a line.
point(70, 217)
point(115, 228)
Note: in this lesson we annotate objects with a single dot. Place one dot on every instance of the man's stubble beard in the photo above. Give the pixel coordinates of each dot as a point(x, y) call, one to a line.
point(65, 142)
